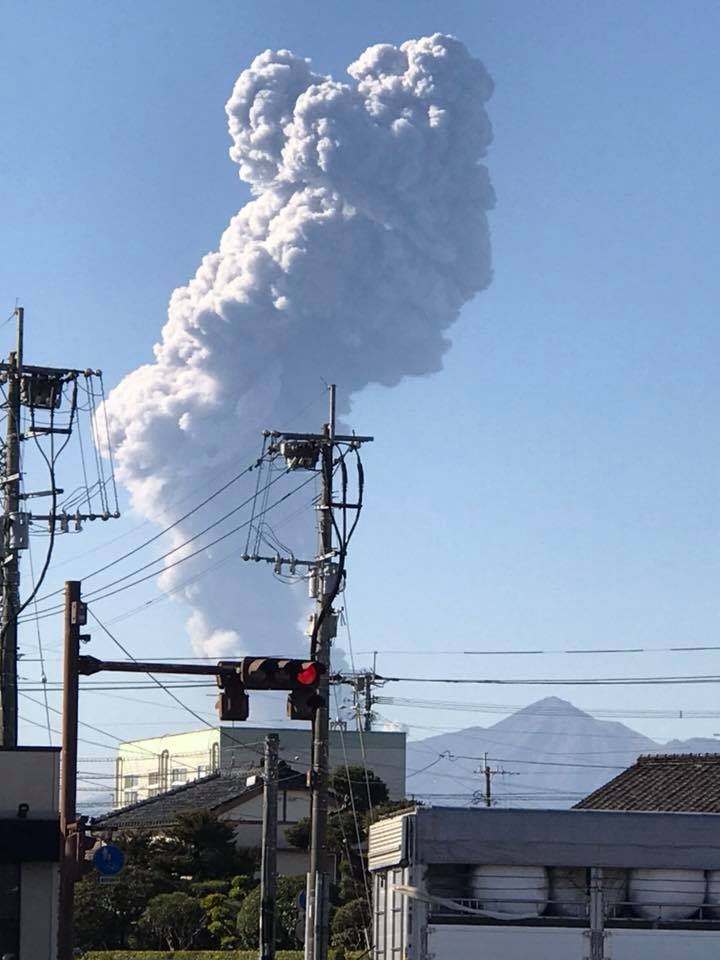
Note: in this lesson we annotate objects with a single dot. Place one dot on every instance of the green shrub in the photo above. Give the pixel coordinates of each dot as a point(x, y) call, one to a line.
point(205, 955)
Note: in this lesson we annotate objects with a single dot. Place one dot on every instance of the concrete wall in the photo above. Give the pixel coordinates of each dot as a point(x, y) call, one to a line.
point(39, 883)
point(30, 775)
point(145, 767)
point(241, 748)
point(246, 817)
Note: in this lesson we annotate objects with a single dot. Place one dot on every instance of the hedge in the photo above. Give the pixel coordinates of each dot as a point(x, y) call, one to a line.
point(208, 955)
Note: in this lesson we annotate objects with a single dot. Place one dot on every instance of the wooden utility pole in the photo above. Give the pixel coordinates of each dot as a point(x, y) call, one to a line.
point(10, 545)
point(268, 870)
point(317, 895)
point(70, 837)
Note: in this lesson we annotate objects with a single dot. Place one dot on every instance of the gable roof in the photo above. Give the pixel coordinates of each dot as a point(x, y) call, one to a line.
point(673, 782)
point(214, 793)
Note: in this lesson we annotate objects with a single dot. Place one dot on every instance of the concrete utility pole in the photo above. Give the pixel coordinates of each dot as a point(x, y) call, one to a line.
point(304, 451)
point(317, 931)
point(368, 717)
point(268, 870)
point(10, 544)
point(38, 389)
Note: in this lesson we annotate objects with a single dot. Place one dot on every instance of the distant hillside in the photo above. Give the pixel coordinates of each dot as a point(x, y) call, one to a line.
point(551, 753)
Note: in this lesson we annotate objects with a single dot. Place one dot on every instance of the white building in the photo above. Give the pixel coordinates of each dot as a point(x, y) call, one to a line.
point(146, 768)
point(29, 852)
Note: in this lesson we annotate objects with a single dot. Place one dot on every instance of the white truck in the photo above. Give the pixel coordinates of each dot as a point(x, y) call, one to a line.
point(491, 884)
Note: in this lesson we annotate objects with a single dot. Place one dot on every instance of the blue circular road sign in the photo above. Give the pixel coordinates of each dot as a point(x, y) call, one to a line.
point(109, 860)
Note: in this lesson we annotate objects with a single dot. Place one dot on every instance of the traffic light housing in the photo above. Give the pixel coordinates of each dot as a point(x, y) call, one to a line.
point(232, 704)
point(78, 843)
point(300, 677)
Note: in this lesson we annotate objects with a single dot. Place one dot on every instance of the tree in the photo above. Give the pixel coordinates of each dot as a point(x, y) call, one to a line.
point(222, 909)
point(175, 919)
point(198, 849)
point(357, 788)
point(202, 847)
point(286, 915)
point(349, 925)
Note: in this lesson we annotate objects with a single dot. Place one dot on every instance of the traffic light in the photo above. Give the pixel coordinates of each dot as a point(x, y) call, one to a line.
point(232, 704)
point(301, 677)
point(79, 842)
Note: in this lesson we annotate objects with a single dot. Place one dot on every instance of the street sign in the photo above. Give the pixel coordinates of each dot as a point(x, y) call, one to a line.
point(301, 900)
point(109, 860)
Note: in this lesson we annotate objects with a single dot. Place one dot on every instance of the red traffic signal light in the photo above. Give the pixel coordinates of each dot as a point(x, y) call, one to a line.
point(309, 676)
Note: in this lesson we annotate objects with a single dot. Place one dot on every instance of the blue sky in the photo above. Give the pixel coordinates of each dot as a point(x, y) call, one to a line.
point(556, 485)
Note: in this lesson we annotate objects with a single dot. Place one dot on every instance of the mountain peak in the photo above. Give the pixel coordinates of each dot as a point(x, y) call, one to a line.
point(552, 707)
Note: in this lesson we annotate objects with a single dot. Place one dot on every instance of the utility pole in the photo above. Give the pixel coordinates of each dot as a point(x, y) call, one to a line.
point(318, 901)
point(368, 679)
point(268, 871)
point(39, 390)
point(488, 772)
point(10, 542)
point(324, 453)
point(72, 849)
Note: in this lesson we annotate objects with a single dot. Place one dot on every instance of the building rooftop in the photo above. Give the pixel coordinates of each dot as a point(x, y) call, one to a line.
point(214, 792)
point(676, 782)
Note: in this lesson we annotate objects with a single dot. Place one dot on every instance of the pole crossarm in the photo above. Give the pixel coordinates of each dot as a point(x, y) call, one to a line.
point(319, 438)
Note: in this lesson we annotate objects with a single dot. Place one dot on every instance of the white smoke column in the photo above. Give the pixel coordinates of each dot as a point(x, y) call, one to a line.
point(367, 234)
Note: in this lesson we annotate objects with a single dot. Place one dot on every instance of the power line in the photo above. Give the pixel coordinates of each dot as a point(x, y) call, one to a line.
point(626, 713)
point(49, 612)
point(175, 503)
point(555, 682)
point(553, 651)
point(165, 530)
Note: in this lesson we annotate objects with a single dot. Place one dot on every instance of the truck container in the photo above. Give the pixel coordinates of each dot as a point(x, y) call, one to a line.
point(492, 884)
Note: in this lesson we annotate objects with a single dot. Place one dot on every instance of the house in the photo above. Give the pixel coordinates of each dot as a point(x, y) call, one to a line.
point(146, 768)
point(676, 782)
point(29, 851)
point(235, 799)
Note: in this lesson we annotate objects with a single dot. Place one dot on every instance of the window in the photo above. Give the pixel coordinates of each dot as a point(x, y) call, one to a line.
point(131, 781)
point(130, 796)
point(154, 777)
point(153, 791)
point(178, 775)
point(202, 770)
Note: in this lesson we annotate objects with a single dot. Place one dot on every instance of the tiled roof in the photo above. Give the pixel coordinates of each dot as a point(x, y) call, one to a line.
point(208, 793)
point(675, 782)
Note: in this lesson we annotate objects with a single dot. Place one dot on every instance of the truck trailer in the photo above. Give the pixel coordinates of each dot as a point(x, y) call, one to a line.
point(494, 884)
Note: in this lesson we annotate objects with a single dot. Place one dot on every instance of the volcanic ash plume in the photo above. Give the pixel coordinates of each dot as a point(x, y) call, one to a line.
point(366, 235)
